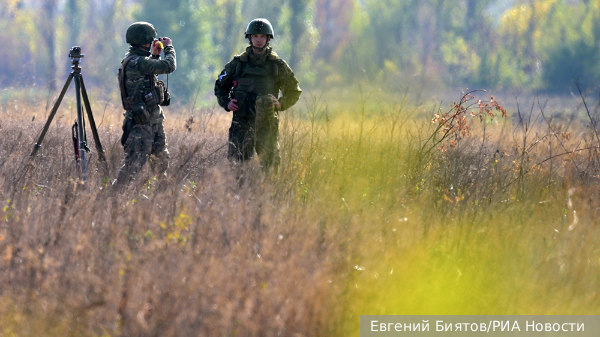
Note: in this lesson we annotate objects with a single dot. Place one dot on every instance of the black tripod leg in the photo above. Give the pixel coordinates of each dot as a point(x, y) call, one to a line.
point(38, 144)
point(88, 109)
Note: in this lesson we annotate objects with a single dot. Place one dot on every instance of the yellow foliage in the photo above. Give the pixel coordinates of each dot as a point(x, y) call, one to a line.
point(390, 66)
point(178, 231)
point(516, 20)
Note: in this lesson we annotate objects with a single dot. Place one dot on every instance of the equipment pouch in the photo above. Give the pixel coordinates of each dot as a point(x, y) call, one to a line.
point(140, 114)
point(241, 97)
point(160, 92)
point(127, 127)
point(266, 116)
point(245, 84)
point(167, 100)
point(151, 101)
point(156, 96)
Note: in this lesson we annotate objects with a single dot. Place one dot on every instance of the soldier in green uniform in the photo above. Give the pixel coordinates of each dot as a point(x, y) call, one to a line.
point(142, 95)
point(249, 86)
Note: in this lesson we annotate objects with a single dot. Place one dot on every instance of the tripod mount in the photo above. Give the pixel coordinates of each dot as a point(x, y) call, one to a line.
point(78, 129)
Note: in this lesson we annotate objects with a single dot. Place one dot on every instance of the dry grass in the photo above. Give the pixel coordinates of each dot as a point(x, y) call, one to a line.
point(203, 256)
point(363, 217)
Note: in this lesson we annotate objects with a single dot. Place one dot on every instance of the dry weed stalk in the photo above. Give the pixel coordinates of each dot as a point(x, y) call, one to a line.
point(453, 123)
point(303, 252)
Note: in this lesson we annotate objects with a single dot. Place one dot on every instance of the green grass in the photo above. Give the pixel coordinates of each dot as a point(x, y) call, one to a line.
point(366, 215)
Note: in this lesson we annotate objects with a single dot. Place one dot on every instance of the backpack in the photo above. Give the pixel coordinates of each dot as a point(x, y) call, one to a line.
point(125, 99)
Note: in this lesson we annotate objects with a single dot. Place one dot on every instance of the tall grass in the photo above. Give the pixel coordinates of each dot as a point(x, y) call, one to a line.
point(366, 215)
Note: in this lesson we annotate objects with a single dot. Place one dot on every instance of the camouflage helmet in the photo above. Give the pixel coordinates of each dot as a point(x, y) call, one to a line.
point(259, 26)
point(140, 33)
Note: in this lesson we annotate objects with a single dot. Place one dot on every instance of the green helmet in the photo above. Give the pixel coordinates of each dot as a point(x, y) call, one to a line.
point(140, 33)
point(259, 26)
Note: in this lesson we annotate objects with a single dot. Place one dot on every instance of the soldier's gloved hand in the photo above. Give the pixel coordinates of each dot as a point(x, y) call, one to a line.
point(166, 41)
point(232, 106)
point(276, 102)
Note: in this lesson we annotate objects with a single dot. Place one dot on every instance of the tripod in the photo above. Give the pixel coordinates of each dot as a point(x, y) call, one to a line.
point(79, 139)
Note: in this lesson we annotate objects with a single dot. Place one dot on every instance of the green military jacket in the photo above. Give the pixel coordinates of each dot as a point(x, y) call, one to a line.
point(284, 81)
point(138, 72)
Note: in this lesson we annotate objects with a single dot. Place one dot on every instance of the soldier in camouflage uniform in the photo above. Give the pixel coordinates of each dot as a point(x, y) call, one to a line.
point(249, 86)
point(142, 95)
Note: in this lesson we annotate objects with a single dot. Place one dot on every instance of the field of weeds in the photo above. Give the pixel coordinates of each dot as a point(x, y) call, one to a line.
point(374, 210)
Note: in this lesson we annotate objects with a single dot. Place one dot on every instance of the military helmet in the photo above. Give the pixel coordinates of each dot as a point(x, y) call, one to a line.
point(140, 33)
point(259, 26)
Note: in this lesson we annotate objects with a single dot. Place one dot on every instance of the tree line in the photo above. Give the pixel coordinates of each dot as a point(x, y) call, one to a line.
point(504, 44)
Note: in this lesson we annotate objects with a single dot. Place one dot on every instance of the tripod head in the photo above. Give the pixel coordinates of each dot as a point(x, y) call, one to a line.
point(75, 55)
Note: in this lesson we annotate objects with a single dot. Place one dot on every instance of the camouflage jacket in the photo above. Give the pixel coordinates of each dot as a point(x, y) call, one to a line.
point(285, 80)
point(138, 72)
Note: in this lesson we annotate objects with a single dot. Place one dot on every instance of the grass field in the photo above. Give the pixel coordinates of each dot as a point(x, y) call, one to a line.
point(366, 215)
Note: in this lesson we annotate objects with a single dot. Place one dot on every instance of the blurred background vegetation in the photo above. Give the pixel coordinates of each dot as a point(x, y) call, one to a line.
point(531, 45)
point(365, 215)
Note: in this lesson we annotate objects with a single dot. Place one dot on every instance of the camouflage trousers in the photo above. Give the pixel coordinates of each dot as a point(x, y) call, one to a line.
point(257, 129)
point(143, 142)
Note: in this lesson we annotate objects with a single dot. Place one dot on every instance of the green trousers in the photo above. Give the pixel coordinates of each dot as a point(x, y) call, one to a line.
point(142, 142)
point(255, 128)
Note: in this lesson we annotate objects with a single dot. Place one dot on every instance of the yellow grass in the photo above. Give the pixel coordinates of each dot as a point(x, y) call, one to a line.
point(363, 217)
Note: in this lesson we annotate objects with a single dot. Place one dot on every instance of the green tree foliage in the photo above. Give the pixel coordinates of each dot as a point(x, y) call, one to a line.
point(571, 51)
point(399, 38)
point(525, 44)
point(185, 22)
point(20, 60)
point(47, 26)
point(227, 32)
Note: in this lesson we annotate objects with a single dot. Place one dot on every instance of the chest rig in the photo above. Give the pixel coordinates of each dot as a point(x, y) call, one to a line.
point(137, 88)
point(256, 80)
